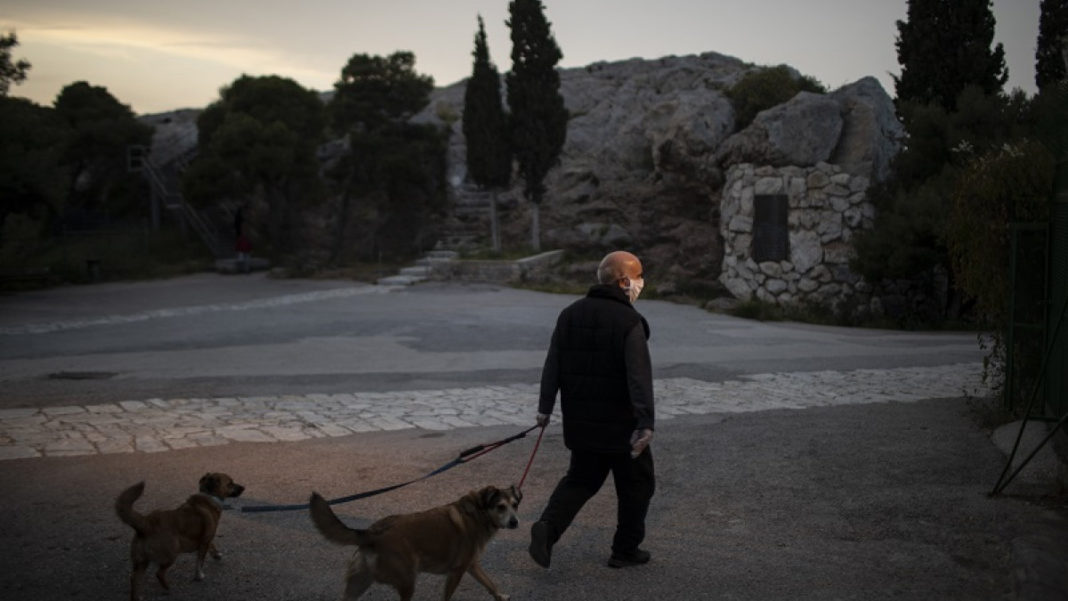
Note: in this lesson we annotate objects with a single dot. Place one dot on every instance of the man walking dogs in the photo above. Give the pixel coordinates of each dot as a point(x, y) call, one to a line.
point(599, 362)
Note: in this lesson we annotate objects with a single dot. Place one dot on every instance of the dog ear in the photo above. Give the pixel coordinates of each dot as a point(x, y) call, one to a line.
point(208, 483)
point(517, 494)
point(488, 496)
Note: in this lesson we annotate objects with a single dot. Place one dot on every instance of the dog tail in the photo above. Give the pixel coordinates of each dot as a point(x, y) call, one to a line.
point(328, 524)
point(126, 512)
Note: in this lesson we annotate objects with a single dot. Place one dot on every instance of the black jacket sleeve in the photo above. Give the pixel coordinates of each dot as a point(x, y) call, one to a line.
point(550, 379)
point(639, 376)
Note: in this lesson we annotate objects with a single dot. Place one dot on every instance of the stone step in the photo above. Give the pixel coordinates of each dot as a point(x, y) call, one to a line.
point(416, 270)
point(399, 280)
point(429, 261)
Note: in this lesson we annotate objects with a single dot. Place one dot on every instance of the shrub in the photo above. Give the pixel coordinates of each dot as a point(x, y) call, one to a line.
point(767, 87)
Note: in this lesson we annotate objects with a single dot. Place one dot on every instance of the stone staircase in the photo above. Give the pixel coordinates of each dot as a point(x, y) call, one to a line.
point(467, 228)
point(421, 270)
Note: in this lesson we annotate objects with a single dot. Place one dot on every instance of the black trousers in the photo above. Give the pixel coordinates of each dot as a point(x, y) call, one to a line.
point(635, 483)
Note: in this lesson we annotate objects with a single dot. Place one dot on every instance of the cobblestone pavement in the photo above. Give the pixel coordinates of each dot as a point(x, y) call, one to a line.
point(159, 425)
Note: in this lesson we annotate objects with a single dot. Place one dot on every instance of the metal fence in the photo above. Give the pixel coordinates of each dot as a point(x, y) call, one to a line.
point(1056, 385)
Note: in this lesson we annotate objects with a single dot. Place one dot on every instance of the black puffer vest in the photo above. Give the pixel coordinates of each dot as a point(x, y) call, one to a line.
point(594, 397)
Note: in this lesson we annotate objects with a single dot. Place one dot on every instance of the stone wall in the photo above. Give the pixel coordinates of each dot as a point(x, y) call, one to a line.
point(826, 206)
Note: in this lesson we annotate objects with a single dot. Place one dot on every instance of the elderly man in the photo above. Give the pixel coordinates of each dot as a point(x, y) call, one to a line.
point(599, 362)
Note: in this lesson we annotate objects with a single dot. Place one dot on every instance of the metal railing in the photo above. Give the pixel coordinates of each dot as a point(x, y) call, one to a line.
point(169, 197)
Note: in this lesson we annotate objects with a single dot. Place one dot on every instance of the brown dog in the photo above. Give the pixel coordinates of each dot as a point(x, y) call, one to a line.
point(448, 539)
point(163, 534)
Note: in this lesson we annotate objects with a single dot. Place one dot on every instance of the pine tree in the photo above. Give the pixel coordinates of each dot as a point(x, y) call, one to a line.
point(489, 156)
point(539, 119)
point(11, 72)
point(1052, 43)
point(945, 47)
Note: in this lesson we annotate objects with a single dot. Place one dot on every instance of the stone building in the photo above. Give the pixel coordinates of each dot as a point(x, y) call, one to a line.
point(787, 233)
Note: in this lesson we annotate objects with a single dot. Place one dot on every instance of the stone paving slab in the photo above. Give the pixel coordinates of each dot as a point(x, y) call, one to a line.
point(160, 425)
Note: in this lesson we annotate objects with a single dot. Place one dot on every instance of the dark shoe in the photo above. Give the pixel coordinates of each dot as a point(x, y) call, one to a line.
point(540, 547)
point(631, 558)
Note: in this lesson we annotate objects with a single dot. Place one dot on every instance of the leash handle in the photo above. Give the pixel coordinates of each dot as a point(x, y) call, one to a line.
point(531, 461)
point(482, 449)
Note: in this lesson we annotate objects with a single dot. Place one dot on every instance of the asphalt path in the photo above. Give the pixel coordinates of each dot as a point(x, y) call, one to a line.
point(224, 335)
point(873, 501)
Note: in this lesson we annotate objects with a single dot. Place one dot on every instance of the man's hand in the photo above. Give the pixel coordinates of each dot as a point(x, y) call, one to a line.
point(639, 441)
point(543, 420)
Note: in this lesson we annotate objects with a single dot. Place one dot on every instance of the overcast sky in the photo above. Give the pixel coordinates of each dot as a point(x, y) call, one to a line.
point(159, 55)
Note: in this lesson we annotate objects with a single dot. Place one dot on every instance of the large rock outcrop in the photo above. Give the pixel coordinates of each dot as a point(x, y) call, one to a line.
point(649, 142)
point(802, 132)
point(648, 145)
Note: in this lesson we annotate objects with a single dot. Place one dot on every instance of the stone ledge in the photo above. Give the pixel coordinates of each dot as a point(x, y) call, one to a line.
point(495, 271)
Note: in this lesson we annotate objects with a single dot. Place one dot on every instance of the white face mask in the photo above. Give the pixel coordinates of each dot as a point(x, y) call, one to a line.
point(634, 289)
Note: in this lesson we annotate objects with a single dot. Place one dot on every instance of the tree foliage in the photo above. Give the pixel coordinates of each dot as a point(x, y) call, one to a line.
point(33, 176)
point(1052, 44)
point(485, 125)
point(392, 175)
point(767, 87)
point(375, 91)
point(1007, 185)
point(257, 146)
point(102, 131)
point(1004, 187)
point(944, 47)
point(913, 208)
point(11, 72)
point(539, 118)
point(949, 96)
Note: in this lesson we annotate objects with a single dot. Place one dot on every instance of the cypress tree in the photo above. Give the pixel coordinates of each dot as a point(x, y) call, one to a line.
point(943, 47)
point(1052, 42)
point(489, 157)
point(539, 119)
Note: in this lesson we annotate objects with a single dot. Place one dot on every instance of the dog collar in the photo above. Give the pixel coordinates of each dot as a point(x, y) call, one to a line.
point(218, 501)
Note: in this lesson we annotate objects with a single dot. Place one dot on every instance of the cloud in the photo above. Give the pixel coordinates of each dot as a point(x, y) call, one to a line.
point(128, 41)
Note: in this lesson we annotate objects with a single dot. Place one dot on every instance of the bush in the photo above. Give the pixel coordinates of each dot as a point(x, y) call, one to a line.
point(765, 88)
point(126, 253)
point(1008, 186)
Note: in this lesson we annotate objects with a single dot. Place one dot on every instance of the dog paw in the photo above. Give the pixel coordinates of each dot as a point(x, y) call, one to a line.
point(503, 597)
point(216, 555)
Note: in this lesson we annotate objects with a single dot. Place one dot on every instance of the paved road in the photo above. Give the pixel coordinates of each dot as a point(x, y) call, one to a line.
point(794, 461)
point(210, 335)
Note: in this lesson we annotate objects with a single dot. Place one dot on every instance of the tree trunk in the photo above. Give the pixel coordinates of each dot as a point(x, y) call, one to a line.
point(343, 221)
point(495, 235)
point(535, 227)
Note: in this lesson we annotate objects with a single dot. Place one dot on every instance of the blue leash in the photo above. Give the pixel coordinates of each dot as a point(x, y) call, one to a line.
point(463, 457)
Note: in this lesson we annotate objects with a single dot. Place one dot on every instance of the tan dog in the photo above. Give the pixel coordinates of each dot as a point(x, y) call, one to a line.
point(448, 539)
point(163, 534)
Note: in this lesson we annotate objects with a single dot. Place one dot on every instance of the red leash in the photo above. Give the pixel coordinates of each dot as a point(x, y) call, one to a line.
point(532, 453)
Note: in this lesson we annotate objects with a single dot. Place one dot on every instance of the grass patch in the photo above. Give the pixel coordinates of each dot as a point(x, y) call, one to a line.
point(99, 256)
point(361, 271)
point(553, 287)
point(505, 254)
point(844, 316)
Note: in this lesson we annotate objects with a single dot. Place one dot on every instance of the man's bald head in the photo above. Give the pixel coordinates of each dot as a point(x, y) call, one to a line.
point(618, 265)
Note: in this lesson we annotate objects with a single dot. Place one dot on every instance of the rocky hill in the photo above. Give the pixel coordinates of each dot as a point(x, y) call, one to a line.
point(649, 143)
point(649, 146)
